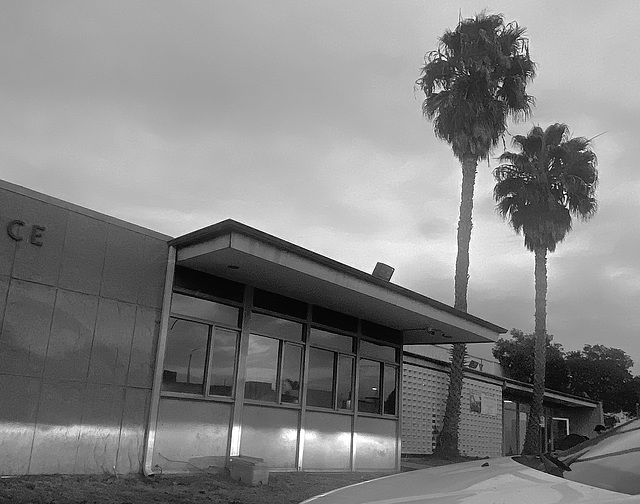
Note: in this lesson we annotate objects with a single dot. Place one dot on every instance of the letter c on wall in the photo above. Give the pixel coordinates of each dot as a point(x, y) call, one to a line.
point(13, 229)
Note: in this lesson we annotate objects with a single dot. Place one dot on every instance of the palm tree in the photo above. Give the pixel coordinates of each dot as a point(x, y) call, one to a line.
point(538, 189)
point(473, 82)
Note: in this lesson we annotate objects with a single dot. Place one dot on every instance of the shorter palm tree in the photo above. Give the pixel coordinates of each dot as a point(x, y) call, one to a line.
point(538, 189)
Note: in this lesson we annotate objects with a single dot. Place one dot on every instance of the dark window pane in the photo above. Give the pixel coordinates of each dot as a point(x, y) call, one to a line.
point(276, 327)
point(279, 304)
point(262, 367)
point(345, 380)
point(320, 381)
point(199, 282)
point(331, 340)
point(369, 386)
point(368, 349)
point(335, 319)
point(389, 390)
point(185, 356)
point(290, 387)
point(381, 332)
point(203, 309)
point(222, 370)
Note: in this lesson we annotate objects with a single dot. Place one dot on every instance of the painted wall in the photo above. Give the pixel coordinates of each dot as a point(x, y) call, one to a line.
point(80, 299)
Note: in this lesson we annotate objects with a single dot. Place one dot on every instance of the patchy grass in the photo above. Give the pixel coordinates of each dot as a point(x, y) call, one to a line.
point(283, 488)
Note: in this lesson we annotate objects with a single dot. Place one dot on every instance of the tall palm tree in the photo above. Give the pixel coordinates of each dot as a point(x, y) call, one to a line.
point(538, 189)
point(472, 83)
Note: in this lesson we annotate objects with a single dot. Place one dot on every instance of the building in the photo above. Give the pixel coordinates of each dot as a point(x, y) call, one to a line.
point(125, 350)
point(494, 409)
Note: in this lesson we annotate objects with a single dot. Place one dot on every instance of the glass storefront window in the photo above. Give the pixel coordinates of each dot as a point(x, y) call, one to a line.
point(185, 356)
point(369, 386)
point(389, 390)
point(368, 349)
point(345, 381)
point(222, 369)
point(320, 378)
point(205, 310)
point(262, 369)
point(331, 340)
point(277, 327)
point(290, 382)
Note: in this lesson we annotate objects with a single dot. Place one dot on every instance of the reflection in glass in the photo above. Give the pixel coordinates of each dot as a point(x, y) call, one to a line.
point(276, 327)
point(222, 370)
point(320, 378)
point(185, 356)
point(378, 351)
point(290, 386)
point(345, 380)
point(369, 386)
point(389, 390)
point(262, 369)
point(206, 310)
point(331, 340)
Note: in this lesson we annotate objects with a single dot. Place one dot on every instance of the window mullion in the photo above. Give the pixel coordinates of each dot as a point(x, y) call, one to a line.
point(279, 373)
point(208, 361)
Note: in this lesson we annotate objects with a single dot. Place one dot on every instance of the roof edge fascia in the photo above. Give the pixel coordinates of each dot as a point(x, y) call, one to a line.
point(231, 226)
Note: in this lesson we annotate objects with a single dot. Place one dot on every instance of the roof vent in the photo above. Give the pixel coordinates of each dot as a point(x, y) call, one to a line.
point(383, 271)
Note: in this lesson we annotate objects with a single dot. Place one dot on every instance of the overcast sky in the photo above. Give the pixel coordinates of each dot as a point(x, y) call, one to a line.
point(301, 119)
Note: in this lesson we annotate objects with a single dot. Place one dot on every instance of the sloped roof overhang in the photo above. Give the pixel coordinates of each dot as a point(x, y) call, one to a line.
point(243, 254)
point(525, 390)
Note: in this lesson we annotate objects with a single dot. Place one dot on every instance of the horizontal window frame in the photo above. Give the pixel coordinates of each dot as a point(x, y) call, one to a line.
point(185, 292)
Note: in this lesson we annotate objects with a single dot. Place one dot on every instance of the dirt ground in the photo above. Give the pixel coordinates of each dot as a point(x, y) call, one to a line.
point(283, 488)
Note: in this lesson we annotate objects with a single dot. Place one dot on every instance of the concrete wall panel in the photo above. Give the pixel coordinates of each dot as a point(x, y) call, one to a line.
point(83, 254)
point(4, 290)
point(143, 348)
point(25, 329)
point(41, 263)
point(271, 434)
point(327, 442)
point(134, 423)
point(100, 431)
point(123, 264)
point(55, 443)
point(152, 272)
point(112, 342)
point(191, 434)
point(74, 319)
point(19, 399)
point(10, 209)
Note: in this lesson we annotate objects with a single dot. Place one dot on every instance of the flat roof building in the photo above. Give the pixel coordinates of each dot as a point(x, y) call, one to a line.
point(124, 350)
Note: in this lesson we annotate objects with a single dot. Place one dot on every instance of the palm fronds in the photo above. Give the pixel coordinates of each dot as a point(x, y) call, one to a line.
point(474, 81)
point(551, 179)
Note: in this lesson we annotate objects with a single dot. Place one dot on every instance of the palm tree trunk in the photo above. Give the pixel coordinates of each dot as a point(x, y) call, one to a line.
point(447, 445)
point(532, 440)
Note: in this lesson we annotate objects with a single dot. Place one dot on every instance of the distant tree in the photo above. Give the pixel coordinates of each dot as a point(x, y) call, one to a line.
point(603, 374)
point(472, 83)
point(516, 358)
point(538, 189)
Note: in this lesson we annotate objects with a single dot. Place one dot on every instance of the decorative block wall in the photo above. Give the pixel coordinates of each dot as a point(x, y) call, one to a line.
point(424, 396)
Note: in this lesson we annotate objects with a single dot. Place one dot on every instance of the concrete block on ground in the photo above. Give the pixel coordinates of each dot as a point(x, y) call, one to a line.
point(249, 470)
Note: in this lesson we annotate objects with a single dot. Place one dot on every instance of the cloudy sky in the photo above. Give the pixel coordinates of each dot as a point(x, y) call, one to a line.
point(301, 119)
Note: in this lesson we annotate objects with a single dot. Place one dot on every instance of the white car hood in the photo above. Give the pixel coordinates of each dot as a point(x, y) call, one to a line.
point(492, 481)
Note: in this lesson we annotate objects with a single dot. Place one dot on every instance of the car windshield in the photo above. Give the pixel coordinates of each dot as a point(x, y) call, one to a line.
point(610, 461)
